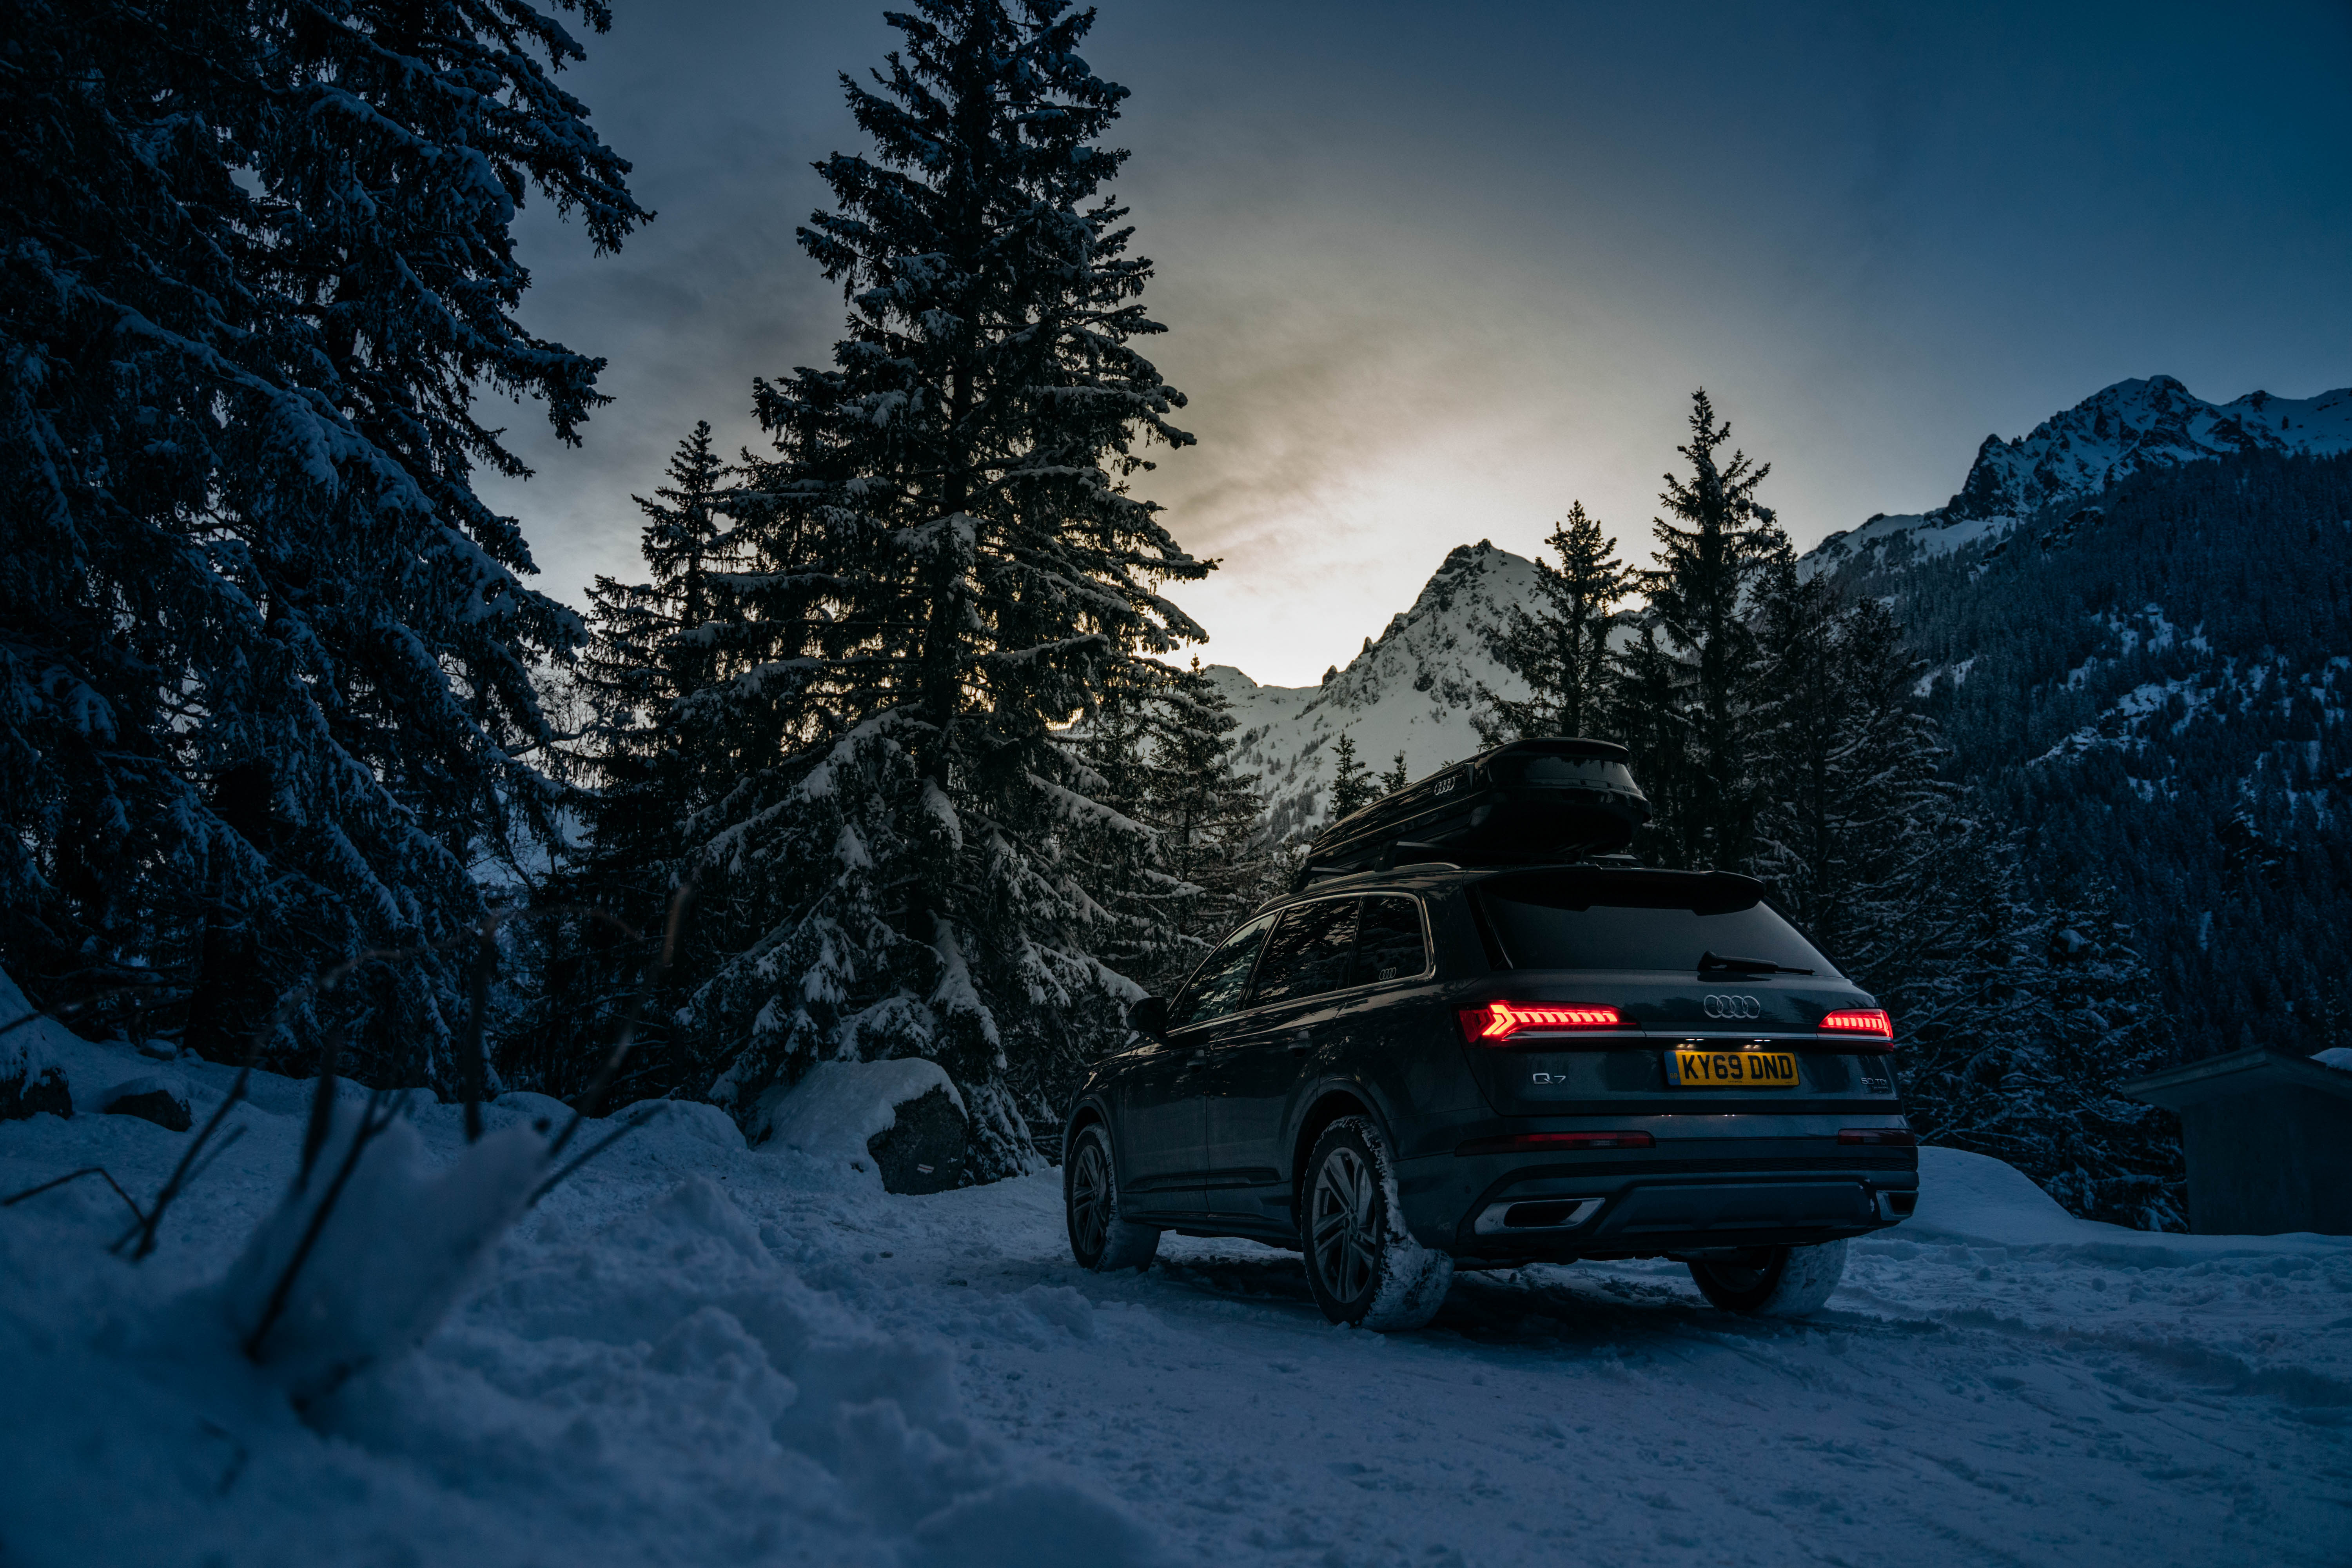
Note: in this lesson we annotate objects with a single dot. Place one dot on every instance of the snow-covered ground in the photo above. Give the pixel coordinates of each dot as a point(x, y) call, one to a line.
point(695, 1352)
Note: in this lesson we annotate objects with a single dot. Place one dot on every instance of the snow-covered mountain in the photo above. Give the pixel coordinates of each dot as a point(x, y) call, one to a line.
point(2108, 437)
point(1416, 687)
point(1413, 689)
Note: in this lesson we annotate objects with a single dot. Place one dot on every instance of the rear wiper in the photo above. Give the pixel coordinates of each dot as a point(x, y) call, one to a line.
point(1707, 961)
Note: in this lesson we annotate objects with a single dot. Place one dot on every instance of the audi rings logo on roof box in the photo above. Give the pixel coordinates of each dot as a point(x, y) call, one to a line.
point(1732, 1004)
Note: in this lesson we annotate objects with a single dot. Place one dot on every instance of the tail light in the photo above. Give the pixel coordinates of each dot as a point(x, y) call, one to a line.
point(1496, 1022)
point(1534, 1142)
point(1870, 1021)
point(1895, 1136)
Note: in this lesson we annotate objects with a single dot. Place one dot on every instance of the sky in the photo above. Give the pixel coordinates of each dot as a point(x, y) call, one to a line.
point(1432, 272)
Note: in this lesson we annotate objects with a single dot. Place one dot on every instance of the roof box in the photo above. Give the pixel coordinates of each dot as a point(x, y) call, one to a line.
point(1530, 801)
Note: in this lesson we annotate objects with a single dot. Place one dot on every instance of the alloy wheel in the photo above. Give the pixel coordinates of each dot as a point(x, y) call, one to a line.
point(1090, 1197)
point(1345, 1245)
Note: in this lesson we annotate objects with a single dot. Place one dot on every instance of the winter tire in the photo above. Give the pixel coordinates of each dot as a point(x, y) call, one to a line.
point(1772, 1281)
point(1099, 1239)
point(1364, 1270)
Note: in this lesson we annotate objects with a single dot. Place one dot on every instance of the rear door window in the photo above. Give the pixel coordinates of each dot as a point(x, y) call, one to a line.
point(1216, 988)
point(1389, 943)
point(1637, 920)
point(1307, 953)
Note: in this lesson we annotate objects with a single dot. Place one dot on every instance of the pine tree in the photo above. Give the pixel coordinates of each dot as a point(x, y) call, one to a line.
point(1395, 778)
point(2018, 1021)
point(1561, 650)
point(2102, 1155)
point(1710, 556)
point(655, 650)
point(1851, 813)
point(264, 654)
point(1353, 786)
point(945, 550)
point(653, 647)
point(1208, 815)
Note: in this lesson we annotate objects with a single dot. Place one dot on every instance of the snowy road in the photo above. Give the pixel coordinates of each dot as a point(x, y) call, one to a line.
point(696, 1353)
point(1959, 1403)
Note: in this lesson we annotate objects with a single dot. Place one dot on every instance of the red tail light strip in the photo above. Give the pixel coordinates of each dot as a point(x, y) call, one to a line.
point(1496, 1022)
point(1536, 1142)
point(1859, 1021)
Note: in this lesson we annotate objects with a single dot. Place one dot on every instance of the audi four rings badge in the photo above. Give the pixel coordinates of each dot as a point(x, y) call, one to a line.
point(1731, 1005)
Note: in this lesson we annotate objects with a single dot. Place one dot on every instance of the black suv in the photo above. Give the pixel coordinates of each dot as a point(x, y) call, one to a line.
point(1399, 1070)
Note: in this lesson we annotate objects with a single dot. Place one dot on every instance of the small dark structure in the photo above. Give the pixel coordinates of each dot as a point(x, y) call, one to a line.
point(2269, 1139)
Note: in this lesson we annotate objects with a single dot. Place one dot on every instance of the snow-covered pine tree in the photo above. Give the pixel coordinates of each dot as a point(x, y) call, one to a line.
point(2017, 1020)
point(652, 647)
point(1852, 818)
point(1396, 778)
point(1125, 750)
point(1353, 786)
point(1963, 993)
point(946, 531)
point(1560, 650)
point(1716, 541)
point(2103, 1156)
point(1209, 817)
point(263, 682)
point(647, 751)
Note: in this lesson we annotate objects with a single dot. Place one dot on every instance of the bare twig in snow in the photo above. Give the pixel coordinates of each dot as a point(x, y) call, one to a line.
point(322, 1104)
point(128, 1201)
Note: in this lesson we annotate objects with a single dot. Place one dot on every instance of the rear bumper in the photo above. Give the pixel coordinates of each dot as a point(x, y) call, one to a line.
point(1683, 1196)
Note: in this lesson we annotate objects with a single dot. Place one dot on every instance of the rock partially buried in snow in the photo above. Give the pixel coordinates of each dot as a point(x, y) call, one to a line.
point(902, 1119)
point(924, 1150)
point(162, 1098)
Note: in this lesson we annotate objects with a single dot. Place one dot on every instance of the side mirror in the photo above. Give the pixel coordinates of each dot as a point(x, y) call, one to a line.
point(1149, 1016)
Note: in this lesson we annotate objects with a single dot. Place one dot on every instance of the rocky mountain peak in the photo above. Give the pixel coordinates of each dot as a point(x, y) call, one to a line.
point(2134, 425)
point(1412, 690)
point(2118, 431)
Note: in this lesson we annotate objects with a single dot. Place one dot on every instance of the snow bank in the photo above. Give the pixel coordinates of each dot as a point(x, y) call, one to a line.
point(640, 1370)
point(1974, 1198)
point(364, 1257)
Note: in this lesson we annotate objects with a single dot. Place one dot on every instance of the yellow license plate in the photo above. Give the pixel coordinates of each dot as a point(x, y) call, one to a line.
point(1687, 1069)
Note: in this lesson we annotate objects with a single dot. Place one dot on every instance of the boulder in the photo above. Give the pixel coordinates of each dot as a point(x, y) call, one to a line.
point(163, 1099)
point(902, 1120)
point(924, 1147)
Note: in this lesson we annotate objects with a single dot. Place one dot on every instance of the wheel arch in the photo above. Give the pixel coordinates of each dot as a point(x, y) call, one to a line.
point(1088, 1112)
point(1333, 1102)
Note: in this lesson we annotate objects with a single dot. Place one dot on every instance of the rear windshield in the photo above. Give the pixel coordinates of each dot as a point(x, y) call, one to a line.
point(1636, 919)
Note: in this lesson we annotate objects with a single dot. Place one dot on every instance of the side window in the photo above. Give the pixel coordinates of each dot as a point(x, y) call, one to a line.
point(1389, 946)
point(1307, 953)
point(1216, 988)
